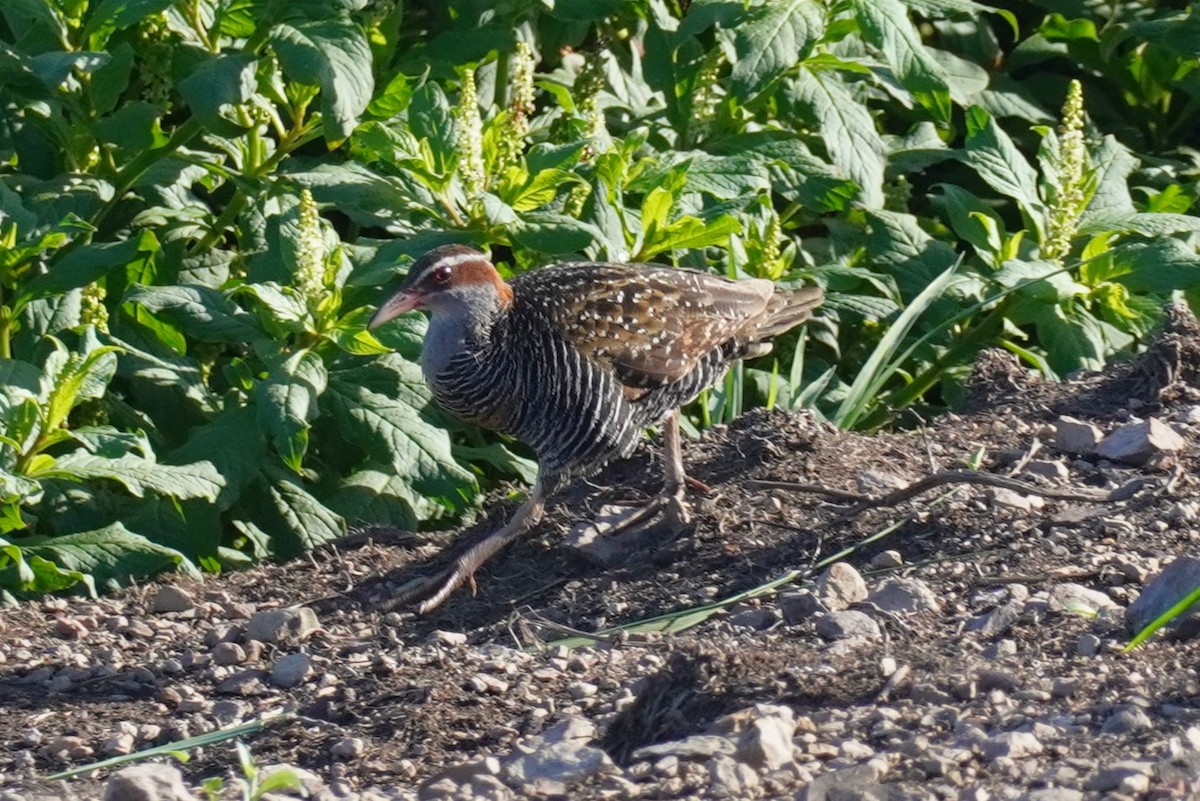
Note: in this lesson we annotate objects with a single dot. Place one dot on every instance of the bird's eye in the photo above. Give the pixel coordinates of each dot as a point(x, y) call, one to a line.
point(442, 274)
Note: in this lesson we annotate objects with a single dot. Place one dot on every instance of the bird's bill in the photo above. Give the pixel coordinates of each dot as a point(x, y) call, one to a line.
point(395, 306)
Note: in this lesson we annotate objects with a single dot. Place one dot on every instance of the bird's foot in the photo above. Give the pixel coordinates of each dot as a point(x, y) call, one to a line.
point(429, 592)
point(669, 506)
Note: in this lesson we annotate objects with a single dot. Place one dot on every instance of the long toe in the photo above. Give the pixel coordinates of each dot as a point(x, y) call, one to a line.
point(460, 573)
point(668, 510)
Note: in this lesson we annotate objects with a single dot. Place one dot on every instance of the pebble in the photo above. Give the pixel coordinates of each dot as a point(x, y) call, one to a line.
point(899, 594)
point(1172, 585)
point(1011, 745)
point(450, 638)
point(1138, 443)
point(1088, 645)
point(70, 628)
point(798, 607)
point(118, 745)
point(848, 624)
point(148, 781)
point(170, 598)
point(228, 653)
point(998, 620)
point(730, 778)
point(697, 747)
point(1126, 720)
point(1076, 437)
point(349, 748)
point(841, 585)
point(1125, 776)
point(282, 626)
point(1005, 498)
point(766, 741)
point(290, 670)
point(886, 560)
point(1076, 599)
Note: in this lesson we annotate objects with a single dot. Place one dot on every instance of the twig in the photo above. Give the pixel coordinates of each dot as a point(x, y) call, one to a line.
point(1027, 457)
point(815, 489)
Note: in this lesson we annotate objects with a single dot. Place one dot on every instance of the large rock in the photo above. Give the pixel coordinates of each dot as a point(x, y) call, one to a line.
point(899, 594)
point(286, 626)
point(1178, 580)
point(561, 754)
point(148, 781)
point(1138, 443)
point(764, 735)
point(1076, 437)
point(841, 585)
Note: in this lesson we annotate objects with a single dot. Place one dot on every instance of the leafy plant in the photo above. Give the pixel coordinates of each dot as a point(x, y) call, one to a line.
point(200, 199)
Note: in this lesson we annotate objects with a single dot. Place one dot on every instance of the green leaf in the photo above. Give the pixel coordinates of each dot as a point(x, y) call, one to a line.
point(333, 54)
point(1147, 224)
point(556, 234)
point(1043, 281)
point(778, 35)
point(378, 495)
point(689, 232)
point(29, 573)
point(723, 177)
point(1072, 341)
point(217, 87)
point(175, 372)
point(68, 378)
point(108, 16)
point(286, 401)
point(112, 553)
point(19, 380)
point(377, 407)
point(202, 313)
point(139, 475)
point(847, 129)
point(973, 221)
point(85, 265)
point(432, 120)
point(282, 307)
point(801, 177)
point(234, 443)
point(134, 126)
point(112, 443)
point(881, 365)
point(293, 517)
point(394, 99)
point(540, 189)
point(999, 163)
point(885, 24)
point(897, 242)
point(1164, 265)
point(1112, 164)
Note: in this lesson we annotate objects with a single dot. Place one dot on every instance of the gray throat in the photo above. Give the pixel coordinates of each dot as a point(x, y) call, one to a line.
point(451, 333)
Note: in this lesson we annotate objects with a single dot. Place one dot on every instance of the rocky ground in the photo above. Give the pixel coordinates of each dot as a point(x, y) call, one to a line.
point(959, 639)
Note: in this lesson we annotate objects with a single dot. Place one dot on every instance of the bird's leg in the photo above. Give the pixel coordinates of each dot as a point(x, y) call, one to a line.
point(434, 591)
point(669, 503)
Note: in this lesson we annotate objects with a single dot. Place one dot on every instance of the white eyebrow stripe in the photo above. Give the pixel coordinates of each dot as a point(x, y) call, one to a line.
point(456, 259)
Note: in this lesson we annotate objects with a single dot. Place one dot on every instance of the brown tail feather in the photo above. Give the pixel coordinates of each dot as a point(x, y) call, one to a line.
point(786, 310)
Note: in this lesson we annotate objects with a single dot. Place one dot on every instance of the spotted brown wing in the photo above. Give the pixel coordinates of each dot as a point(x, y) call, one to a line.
point(651, 325)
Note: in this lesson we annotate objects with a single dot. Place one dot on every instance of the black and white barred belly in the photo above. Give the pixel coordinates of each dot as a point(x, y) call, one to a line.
point(533, 385)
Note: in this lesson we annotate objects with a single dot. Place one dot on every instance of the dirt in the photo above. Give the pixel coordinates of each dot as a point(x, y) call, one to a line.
point(77, 672)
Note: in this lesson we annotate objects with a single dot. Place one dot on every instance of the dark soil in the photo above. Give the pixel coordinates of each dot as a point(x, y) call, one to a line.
point(79, 668)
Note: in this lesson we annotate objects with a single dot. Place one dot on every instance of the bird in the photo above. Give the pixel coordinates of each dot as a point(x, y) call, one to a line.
point(575, 360)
